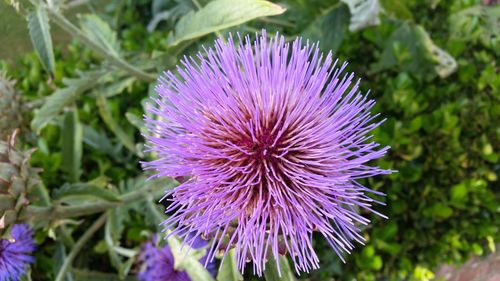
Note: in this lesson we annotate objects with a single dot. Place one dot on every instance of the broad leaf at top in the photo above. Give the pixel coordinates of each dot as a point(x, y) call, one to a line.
point(221, 14)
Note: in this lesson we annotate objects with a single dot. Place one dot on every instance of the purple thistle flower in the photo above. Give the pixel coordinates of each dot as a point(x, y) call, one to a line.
point(15, 253)
point(157, 264)
point(272, 136)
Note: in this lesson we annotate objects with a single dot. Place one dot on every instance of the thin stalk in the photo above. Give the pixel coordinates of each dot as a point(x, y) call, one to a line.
point(79, 245)
point(60, 212)
point(66, 25)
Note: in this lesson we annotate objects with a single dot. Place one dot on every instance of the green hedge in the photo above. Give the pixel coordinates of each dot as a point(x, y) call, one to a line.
point(442, 126)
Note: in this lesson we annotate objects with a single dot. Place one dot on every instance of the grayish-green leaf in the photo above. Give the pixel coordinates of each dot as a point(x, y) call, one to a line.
point(283, 273)
point(112, 235)
point(116, 88)
point(477, 22)
point(136, 121)
point(88, 275)
point(63, 97)
point(85, 190)
point(329, 28)
point(221, 14)
point(99, 141)
point(364, 13)
point(412, 49)
point(72, 145)
point(99, 31)
point(39, 29)
point(108, 119)
point(229, 270)
point(58, 258)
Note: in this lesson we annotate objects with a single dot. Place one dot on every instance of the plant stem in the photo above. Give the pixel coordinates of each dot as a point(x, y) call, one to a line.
point(66, 25)
point(79, 245)
point(59, 212)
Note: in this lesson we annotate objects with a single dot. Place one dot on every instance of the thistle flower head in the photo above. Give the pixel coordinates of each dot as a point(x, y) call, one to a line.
point(15, 253)
point(272, 136)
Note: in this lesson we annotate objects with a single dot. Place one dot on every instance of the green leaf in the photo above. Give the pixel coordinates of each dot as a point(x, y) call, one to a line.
point(117, 87)
point(396, 9)
point(438, 210)
point(63, 97)
point(105, 112)
point(85, 190)
point(39, 29)
point(412, 49)
point(112, 235)
point(100, 142)
point(284, 273)
point(72, 145)
point(459, 192)
point(58, 260)
point(195, 270)
point(476, 22)
point(229, 270)
point(99, 31)
point(221, 14)
point(329, 28)
point(136, 121)
point(364, 13)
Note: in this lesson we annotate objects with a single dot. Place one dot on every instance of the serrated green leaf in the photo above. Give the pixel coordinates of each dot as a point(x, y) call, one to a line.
point(329, 28)
point(100, 32)
point(39, 29)
point(105, 112)
point(284, 273)
point(112, 233)
point(229, 270)
point(62, 97)
point(221, 14)
point(72, 133)
point(112, 236)
point(85, 190)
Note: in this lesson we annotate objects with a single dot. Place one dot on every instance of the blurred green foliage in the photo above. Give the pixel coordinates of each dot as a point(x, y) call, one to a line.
point(442, 106)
